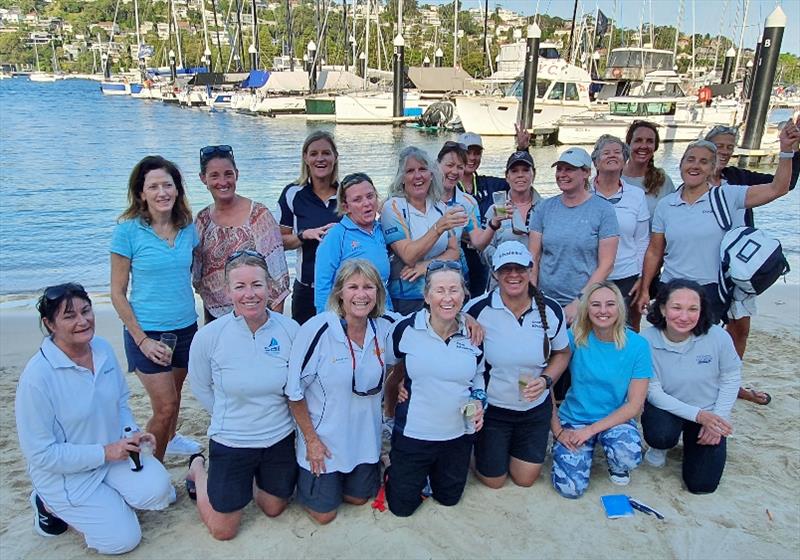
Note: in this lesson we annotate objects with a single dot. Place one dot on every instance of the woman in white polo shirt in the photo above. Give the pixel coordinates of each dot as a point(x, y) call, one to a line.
point(238, 366)
point(335, 386)
point(695, 386)
point(685, 234)
point(443, 388)
point(526, 348)
point(630, 205)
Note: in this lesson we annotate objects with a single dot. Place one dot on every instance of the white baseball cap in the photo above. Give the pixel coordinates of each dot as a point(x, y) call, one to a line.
point(511, 252)
point(470, 139)
point(576, 157)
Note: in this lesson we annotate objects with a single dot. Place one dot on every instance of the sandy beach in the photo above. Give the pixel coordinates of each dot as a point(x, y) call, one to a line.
point(754, 514)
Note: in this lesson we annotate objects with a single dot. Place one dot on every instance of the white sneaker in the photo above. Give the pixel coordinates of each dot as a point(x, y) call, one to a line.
point(656, 457)
point(620, 479)
point(182, 445)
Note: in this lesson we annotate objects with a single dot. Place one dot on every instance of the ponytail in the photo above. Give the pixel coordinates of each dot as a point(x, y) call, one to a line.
point(654, 178)
point(540, 305)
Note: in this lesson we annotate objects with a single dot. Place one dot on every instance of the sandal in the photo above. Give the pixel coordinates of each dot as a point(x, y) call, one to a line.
point(756, 396)
point(191, 489)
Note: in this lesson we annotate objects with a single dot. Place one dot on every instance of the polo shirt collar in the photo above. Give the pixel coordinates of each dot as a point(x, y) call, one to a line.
point(422, 323)
point(56, 357)
point(677, 199)
point(660, 343)
point(349, 224)
point(337, 325)
point(497, 301)
point(620, 191)
point(242, 324)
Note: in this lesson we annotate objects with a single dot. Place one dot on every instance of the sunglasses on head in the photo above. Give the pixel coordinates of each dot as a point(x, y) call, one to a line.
point(53, 293)
point(433, 266)
point(245, 253)
point(212, 151)
point(355, 178)
point(452, 144)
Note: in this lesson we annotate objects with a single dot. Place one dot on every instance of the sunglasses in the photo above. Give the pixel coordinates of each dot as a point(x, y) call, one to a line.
point(53, 293)
point(377, 389)
point(355, 178)
point(245, 253)
point(213, 151)
point(433, 266)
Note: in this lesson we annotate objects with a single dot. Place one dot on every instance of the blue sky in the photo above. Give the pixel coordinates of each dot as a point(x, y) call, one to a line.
point(708, 14)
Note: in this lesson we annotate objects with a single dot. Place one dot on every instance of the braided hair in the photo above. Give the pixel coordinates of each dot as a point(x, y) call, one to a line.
point(540, 305)
point(654, 177)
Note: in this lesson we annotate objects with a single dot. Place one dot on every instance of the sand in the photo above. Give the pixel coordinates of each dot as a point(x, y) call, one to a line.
point(760, 477)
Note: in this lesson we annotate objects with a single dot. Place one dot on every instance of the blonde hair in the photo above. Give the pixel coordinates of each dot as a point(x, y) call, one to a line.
point(313, 137)
point(583, 325)
point(347, 270)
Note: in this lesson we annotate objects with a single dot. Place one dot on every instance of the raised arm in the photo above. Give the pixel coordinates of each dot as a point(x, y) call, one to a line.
point(758, 195)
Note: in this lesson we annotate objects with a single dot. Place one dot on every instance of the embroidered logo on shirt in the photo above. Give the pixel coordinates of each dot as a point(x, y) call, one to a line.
point(274, 346)
point(704, 359)
point(390, 231)
point(354, 245)
point(463, 345)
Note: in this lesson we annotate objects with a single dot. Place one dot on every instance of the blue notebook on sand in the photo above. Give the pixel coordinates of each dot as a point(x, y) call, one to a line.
point(617, 505)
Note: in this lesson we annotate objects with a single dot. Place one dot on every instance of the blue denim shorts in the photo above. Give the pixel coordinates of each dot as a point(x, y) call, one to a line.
point(137, 361)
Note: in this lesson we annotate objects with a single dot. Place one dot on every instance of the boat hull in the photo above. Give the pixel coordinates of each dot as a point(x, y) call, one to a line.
point(587, 132)
point(496, 116)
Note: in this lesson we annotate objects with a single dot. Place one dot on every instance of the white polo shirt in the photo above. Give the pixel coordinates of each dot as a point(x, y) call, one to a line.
point(440, 375)
point(514, 346)
point(702, 374)
point(693, 235)
point(65, 415)
point(321, 372)
point(239, 376)
point(633, 216)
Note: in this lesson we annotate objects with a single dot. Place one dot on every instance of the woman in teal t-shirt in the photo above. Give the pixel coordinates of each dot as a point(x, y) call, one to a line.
point(610, 369)
point(152, 249)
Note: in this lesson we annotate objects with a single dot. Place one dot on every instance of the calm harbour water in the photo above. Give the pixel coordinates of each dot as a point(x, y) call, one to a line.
point(67, 151)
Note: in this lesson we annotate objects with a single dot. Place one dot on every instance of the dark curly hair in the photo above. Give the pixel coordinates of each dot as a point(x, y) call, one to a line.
point(656, 317)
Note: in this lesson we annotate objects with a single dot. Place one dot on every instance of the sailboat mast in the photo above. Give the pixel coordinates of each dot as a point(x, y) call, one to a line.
point(486, 35)
point(455, 33)
point(572, 30)
point(239, 35)
point(366, 47)
point(677, 31)
point(177, 34)
point(216, 28)
point(611, 35)
point(741, 42)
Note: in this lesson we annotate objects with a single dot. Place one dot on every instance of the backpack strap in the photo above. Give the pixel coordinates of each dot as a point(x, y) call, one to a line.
point(719, 206)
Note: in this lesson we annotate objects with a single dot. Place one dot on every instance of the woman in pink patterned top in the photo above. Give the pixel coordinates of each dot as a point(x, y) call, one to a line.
point(233, 223)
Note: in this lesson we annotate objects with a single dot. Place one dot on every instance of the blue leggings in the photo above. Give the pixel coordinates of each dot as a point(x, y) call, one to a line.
point(623, 448)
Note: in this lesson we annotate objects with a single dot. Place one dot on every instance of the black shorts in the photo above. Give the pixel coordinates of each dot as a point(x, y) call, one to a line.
point(625, 285)
point(302, 302)
point(231, 471)
point(137, 361)
point(414, 461)
point(512, 433)
point(324, 493)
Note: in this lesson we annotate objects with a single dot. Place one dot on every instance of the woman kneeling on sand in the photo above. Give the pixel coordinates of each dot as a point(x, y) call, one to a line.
point(76, 432)
point(238, 366)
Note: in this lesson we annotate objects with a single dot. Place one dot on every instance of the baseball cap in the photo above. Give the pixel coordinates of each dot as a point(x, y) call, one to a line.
point(511, 252)
point(470, 139)
point(522, 156)
point(576, 157)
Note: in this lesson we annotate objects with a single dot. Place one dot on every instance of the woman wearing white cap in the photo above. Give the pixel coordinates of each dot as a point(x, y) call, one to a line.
point(574, 235)
point(630, 205)
point(526, 348)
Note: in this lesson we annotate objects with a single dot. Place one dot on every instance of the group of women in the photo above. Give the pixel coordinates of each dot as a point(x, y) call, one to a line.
point(380, 304)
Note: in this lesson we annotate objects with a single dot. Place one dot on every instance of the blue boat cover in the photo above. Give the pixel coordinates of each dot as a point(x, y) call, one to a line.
point(256, 79)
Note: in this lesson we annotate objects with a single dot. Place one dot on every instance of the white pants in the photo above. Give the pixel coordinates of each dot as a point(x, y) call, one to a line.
point(106, 519)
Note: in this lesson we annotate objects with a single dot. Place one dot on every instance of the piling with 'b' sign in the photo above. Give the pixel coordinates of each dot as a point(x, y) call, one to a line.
point(398, 62)
point(529, 79)
point(763, 78)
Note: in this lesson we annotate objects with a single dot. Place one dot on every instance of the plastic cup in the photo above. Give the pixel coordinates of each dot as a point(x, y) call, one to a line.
point(523, 380)
point(499, 201)
point(469, 410)
point(170, 340)
point(145, 448)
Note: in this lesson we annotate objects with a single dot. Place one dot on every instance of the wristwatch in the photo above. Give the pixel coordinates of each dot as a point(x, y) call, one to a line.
point(300, 233)
point(548, 381)
point(494, 228)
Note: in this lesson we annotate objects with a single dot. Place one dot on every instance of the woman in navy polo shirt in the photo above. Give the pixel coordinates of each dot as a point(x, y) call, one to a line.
point(152, 249)
point(308, 211)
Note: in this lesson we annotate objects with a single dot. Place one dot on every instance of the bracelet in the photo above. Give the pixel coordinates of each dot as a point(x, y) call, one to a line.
point(559, 434)
point(493, 227)
point(436, 229)
point(786, 155)
point(139, 344)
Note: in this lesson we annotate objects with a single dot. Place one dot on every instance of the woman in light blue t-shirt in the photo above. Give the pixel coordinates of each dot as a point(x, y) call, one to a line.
point(610, 368)
point(151, 249)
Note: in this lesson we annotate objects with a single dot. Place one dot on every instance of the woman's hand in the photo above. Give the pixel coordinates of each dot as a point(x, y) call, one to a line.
point(634, 292)
point(156, 352)
point(523, 137)
point(534, 389)
point(414, 273)
point(478, 418)
point(571, 311)
point(789, 136)
point(564, 437)
point(316, 234)
point(475, 331)
point(642, 302)
point(120, 449)
point(714, 423)
point(402, 392)
point(453, 218)
point(707, 437)
point(578, 437)
point(316, 453)
point(146, 437)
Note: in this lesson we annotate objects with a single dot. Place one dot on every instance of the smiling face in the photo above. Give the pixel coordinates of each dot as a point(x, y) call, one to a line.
point(697, 166)
point(452, 169)
point(513, 280)
point(611, 158)
point(643, 145)
point(726, 144)
point(247, 287)
point(361, 203)
point(445, 294)
point(73, 324)
point(220, 178)
point(320, 158)
point(359, 295)
point(474, 155)
point(571, 179)
point(159, 192)
point(520, 177)
point(416, 179)
point(603, 309)
point(681, 313)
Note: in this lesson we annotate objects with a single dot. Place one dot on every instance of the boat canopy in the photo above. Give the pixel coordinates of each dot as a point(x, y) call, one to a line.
point(440, 80)
point(256, 79)
point(217, 78)
point(338, 80)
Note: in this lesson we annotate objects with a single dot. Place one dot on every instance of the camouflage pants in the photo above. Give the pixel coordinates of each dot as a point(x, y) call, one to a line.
point(623, 448)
